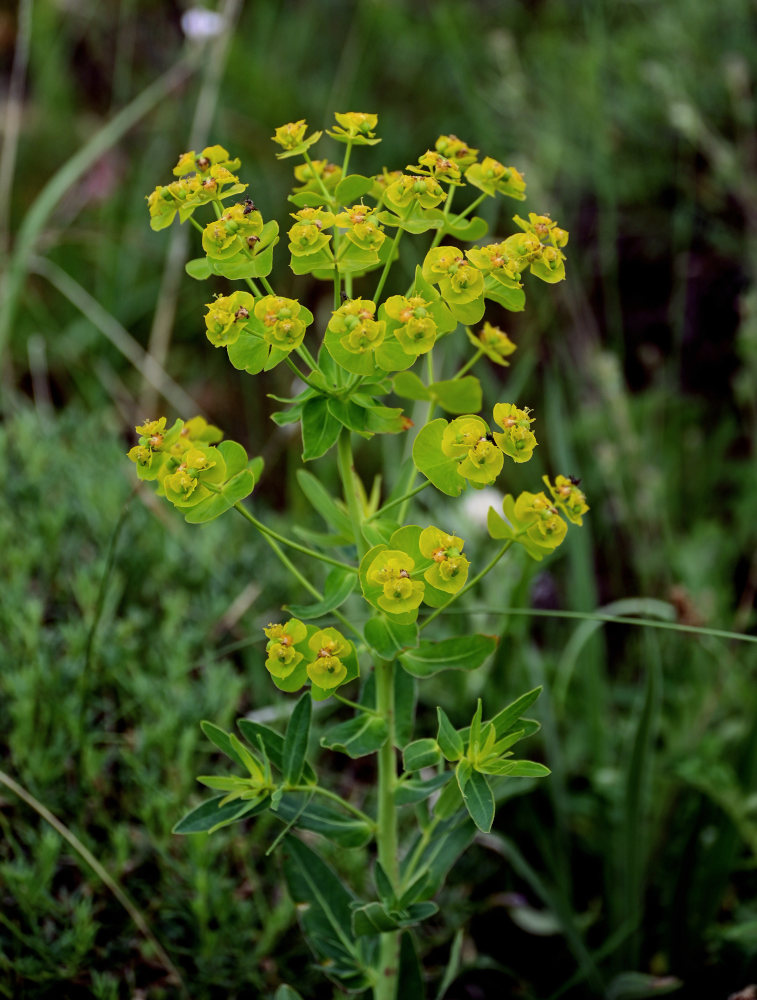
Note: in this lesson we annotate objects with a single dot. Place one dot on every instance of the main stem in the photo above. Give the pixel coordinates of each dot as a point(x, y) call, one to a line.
point(386, 833)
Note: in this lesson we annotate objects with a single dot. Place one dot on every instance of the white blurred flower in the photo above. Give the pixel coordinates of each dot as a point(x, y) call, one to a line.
point(476, 504)
point(200, 24)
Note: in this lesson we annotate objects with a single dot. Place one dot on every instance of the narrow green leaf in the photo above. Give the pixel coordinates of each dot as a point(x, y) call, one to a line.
point(319, 429)
point(319, 497)
point(404, 707)
point(420, 754)
point(286, 993)
point(449, 740)
point(505, 720)
point(273, 743)
point(477, 796)
point(365, 734)
point(414, 790)
point(460, 653)
point(338, 586)
point(296, 739)
point(208, 816)
point(410, 984)
point(219, 738)
point(340, 828)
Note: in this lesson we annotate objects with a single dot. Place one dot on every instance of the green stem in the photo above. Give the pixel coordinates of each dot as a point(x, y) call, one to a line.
point(390, 259)
point(318, 790)
point(347, 475)
point(469, 364)
point(386, 833)
point(471, 583)
point(354, 704)
point(417, 852)
point(319, 179)
point(307, 357)
point(300, 375)
point(402, 499)
point(447, 206)
point(346, 161)
point(253, 288)
point(196, 224)
point(271, 534)
point(267, 285)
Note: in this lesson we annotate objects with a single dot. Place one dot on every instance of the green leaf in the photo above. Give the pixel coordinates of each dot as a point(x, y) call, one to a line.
point(350, 415)
point(468, 230)
point(325, 909)
point(296, 739)
point(431, 461)
point(505, 720)
point(387, 638)
point(379, 531)
point(353, 259)
point(337, 588)
point(365, 734)
point(273, 743)
point(639, 985)
point(372, 918)
point(352, 187)
point(513, 299)
point(341, 828)
point(460, 395)
point(320, 260)
point(477, 796)
point(383, 885)
point(404, 707)
point(322, 501)
point(219, 738)
point(449, 740)
point(199, 269)
point(319, 429)
point(420, 754)
point(467, 312)
point(248, 353)
point(414, 790)
point(420, 222)
point(208, 816)
point(460, 653)
point(307, 199)
point(410, 985)
point(450, 802)
point(409, 386)
point(213, 506)
point(450, 839)
point(515, 769)
point(286, 993)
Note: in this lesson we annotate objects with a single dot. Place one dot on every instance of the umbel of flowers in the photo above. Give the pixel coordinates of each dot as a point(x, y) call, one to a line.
point(386, 577)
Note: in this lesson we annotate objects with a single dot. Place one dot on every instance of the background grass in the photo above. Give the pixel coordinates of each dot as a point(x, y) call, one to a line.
point(633, 867)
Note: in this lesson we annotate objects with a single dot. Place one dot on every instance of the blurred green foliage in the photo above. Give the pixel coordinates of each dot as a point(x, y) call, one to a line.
point(634, 124)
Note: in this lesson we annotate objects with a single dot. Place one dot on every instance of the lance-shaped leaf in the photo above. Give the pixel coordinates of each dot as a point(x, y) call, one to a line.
point(296, 739)
point(319, 428)
point(460, 653)
point(209, 817)
point(365, 734)
point(477, 795)
point(339, 827)
point(338, 586)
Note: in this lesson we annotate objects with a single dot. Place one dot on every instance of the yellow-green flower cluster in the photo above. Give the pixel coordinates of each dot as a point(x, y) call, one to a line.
point(227, 317)
point(408, 190)
point(494, 343)
point(459, 281)
point(452, 148)
point(316, 173)
point(237, 230)
point(308, 234)
point(533, 519)
point(356, 328)
point(413, 325)
point(292, 139)
point(493, 177)
point(517, 439)
point(297, 653)
point(567, 496)
point(548, 263)
point(441, 168)
point(204, 177)
point(417, 566)
point(183, 459)
point(361, 227)
point(355, 127)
